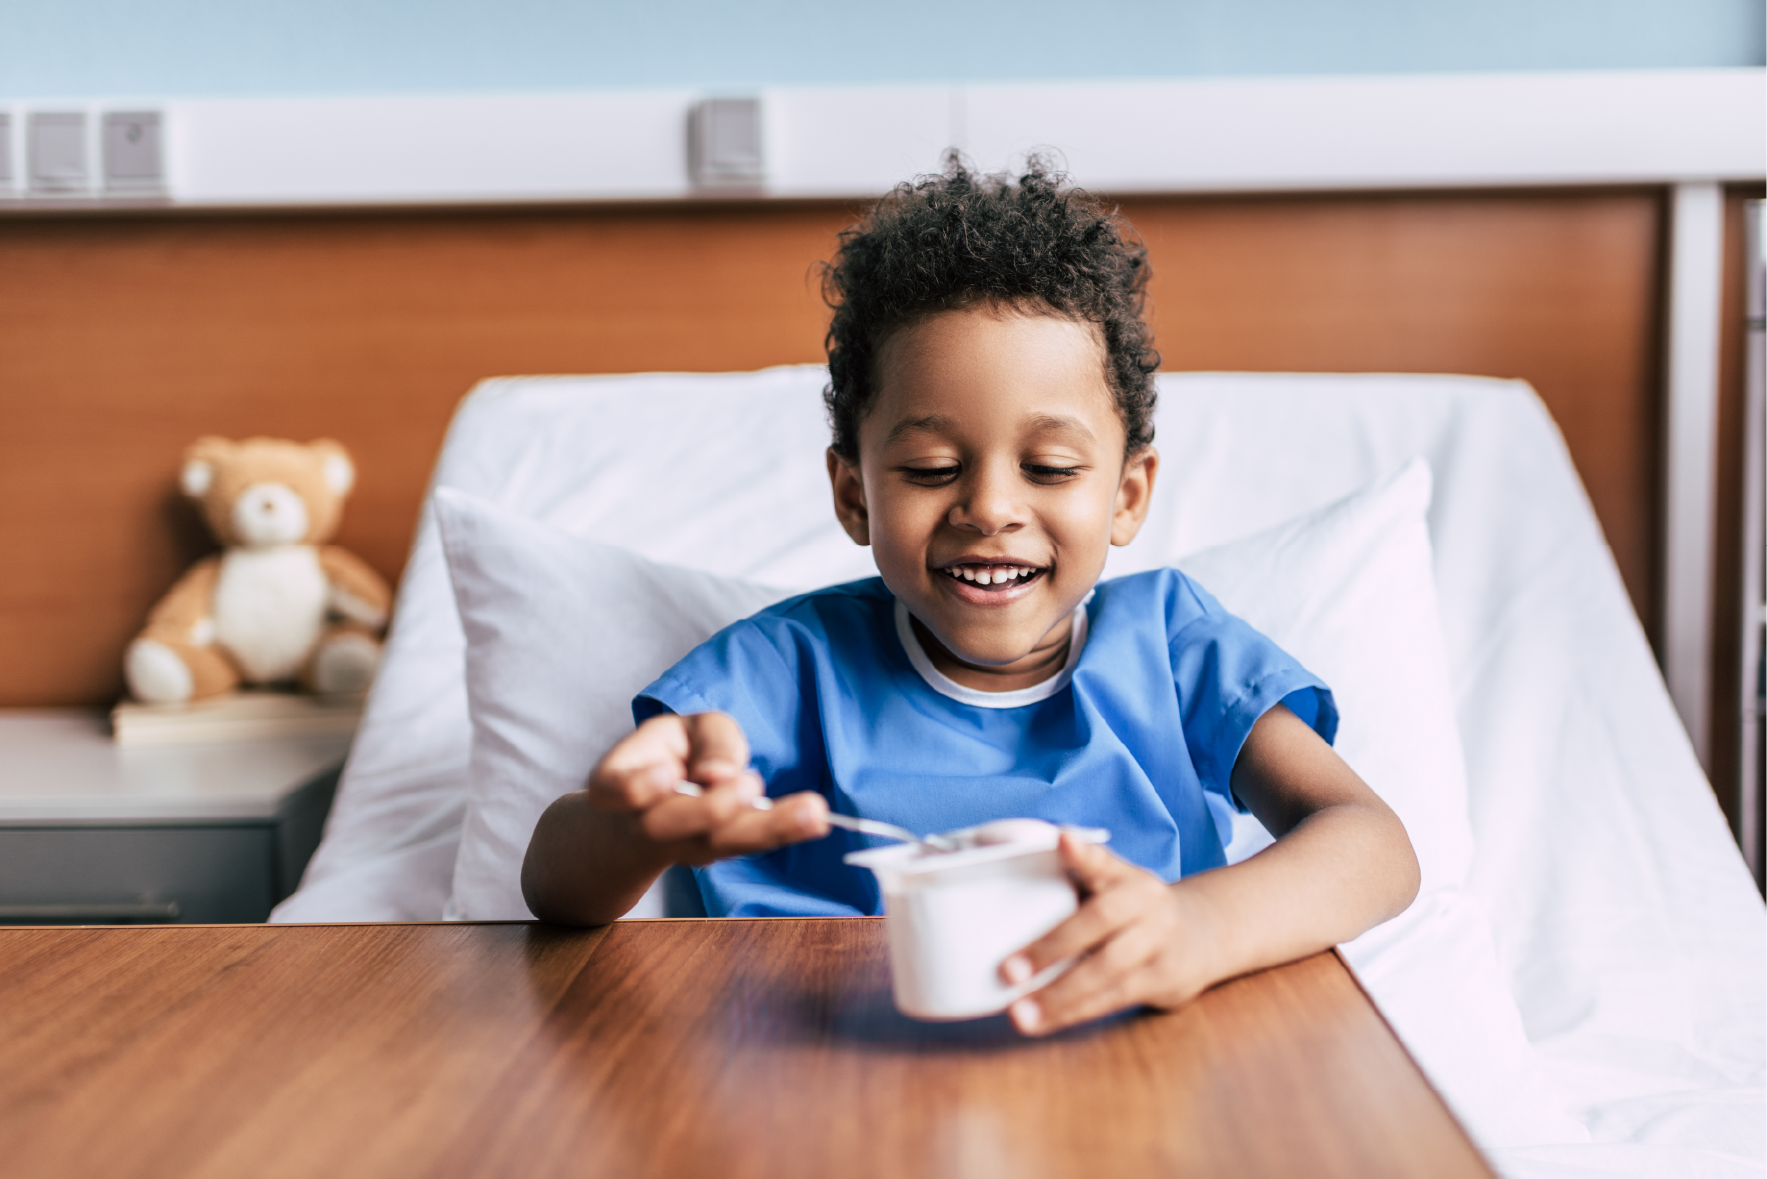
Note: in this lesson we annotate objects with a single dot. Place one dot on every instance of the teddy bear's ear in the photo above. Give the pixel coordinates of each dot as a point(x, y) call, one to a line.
point(198, 474)
point(340, 472)
point(196, 477)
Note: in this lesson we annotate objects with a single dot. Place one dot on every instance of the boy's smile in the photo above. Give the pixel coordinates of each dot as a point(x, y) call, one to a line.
point(1006, 579)
point(991, 482)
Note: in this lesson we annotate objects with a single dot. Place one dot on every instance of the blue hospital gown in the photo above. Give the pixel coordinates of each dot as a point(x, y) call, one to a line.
point(1135, 734)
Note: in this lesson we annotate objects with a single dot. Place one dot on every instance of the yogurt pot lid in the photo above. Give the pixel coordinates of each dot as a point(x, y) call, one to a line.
point(1002, 839)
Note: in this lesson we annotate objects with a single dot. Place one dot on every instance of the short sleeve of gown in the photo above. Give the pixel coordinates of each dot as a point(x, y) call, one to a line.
point(1228, 675)
point(746, 671)
point(759, 672)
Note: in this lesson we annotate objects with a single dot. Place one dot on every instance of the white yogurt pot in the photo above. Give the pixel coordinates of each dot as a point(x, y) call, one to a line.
point(954, 917)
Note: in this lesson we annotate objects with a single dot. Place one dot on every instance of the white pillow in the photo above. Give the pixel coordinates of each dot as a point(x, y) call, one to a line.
point(1349, 591)
point(561, 633)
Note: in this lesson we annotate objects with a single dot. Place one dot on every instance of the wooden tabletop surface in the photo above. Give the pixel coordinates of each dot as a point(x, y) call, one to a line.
point(661, 1048)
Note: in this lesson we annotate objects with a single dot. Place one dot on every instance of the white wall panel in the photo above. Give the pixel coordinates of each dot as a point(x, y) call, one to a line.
point(1280, 133)
point(448, 149)
point(1158, 136)
point(853, 142)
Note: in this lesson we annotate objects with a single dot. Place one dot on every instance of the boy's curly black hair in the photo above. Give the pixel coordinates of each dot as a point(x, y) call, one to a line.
point(945, 242)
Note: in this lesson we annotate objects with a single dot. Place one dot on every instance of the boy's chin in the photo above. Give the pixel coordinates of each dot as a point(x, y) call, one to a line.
point(996, 645)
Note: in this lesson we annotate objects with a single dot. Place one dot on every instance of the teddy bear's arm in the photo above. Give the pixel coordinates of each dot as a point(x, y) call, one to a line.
point(357, 592)
point(184, 614)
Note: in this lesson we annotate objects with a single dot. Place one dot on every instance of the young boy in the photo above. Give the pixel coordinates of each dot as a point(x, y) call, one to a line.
point(991, 399)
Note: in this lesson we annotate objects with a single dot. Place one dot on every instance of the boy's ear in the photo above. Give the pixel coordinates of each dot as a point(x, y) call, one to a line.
point(849, 498)
point(1134, 494)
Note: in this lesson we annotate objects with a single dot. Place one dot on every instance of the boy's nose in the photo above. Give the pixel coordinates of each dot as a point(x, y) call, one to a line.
point(987, 506)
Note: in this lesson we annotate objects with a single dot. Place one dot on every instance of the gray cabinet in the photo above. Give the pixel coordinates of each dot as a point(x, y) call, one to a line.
point(93, 834)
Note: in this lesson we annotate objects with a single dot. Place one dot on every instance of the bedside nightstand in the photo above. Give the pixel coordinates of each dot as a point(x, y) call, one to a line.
point(94, 834)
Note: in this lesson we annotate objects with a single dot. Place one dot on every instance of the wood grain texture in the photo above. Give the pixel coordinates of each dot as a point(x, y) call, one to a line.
point(681, 1048)
point(124, 337)
point(1561, 289)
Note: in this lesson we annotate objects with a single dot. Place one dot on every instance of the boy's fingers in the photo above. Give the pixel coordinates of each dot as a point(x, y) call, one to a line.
point(676, 819)
point(794, 818)
point(1093, 923)
point(1033, 1018)
point(642, 768)
point(633, 790)
point(680, 816)
point(1099, 916)
point(1106, 981)
point(717, 748)
point(725, 821)
point(1092, 865)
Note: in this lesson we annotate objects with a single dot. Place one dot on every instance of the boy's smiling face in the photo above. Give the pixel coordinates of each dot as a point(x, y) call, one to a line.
point(990, 484)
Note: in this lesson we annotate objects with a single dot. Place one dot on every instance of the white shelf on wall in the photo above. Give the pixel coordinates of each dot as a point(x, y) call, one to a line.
point(1189, 135)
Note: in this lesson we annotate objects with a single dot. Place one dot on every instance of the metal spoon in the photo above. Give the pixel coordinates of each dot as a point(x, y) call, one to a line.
point(836, 819)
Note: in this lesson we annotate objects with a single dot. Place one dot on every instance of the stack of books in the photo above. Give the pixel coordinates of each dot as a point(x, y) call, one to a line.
point(238, 716)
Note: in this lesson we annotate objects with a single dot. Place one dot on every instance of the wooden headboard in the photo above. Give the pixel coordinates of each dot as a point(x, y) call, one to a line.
point(124, 336)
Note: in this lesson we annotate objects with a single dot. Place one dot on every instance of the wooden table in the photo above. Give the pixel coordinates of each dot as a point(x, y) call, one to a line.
point(674, 1048)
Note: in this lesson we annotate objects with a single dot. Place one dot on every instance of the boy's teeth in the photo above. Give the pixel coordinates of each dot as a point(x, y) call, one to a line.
point(991, 574)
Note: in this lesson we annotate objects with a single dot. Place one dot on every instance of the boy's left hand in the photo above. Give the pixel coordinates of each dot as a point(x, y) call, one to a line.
point(1137, 939)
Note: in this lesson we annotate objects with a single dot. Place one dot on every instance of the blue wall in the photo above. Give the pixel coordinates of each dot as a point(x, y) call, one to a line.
point(166, 48)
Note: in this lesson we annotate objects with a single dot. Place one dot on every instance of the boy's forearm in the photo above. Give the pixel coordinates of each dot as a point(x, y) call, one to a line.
point(1339, 872)
point(586, 867)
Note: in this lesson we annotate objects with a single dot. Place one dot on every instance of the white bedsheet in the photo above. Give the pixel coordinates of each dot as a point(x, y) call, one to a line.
point(1633, 938)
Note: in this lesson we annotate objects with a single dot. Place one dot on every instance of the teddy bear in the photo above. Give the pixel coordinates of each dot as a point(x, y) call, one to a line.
point(277, 603)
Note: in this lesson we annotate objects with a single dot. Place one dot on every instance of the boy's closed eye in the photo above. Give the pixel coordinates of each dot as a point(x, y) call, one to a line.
point(1052, 474)
point(932, 475)
point(1037, 472)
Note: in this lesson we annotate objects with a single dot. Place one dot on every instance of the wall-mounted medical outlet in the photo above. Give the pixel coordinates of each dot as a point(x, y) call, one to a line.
point(133, 152)
point(724, 145)
point(56, 152)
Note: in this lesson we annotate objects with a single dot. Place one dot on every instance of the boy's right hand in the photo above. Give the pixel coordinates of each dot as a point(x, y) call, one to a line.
point(638, 776)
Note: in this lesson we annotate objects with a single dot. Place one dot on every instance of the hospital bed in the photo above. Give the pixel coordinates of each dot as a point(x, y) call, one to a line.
point(1628, 934)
